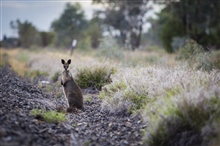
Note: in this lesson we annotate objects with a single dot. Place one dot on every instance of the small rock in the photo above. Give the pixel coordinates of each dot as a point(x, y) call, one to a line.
point(128, 124)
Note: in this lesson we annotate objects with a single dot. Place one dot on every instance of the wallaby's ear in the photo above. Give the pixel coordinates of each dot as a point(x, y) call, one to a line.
point(62, 61)
point(69, 61)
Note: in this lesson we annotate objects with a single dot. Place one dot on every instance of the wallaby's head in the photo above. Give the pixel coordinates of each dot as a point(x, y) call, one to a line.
point(66, 64)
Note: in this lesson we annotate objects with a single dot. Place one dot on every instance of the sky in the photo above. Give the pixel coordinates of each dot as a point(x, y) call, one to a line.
point(41, 13)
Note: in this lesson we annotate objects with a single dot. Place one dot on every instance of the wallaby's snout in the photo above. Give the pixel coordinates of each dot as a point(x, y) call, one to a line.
point(66, 64)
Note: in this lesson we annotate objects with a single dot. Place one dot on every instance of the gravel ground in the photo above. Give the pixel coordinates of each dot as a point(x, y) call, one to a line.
point(93, 127)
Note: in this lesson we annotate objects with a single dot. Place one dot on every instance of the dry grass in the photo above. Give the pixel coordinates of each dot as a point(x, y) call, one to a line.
point(19, 66)
point(148, 82)
point(138, 57)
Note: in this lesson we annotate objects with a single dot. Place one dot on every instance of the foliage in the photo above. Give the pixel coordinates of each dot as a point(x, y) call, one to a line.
point(46, 38)
point(167, 32)
point(94, 77)
point(49, 116)
point(72, 24)
point(69, 25)
point(28, 34)
point(197, 20)
point(189, 50)
point(94, 32)
point(84, 44)
point(192, 120)
point(134, 89)
point(196, 56)
point(127, 18)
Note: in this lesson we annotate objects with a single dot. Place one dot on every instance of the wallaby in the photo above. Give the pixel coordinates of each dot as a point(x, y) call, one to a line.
point(71, 90)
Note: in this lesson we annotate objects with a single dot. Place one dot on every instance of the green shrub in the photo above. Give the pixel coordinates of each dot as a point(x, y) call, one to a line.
point(214, 59)
point(208, 61)
point(197, 58)
point(94, 77)
point(138, 100)
point(111, 89)
point(49, 116)
point(192, 121)
point(190, 49)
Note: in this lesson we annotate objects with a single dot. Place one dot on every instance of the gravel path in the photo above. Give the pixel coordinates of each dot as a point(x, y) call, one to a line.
point(92, 127)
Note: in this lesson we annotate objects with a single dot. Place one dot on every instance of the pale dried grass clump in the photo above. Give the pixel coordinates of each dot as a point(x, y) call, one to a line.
point(137, 88)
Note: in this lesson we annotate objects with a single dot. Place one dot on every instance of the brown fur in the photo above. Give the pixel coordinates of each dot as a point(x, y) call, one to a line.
point(71, 90)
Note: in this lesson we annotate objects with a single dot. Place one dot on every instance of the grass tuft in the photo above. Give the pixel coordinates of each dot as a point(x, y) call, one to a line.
point(94, 77)
point(49, 116)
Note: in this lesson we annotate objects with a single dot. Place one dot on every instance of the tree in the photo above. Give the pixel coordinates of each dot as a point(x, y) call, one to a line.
point(46, 38)
point(69, 25)
point(27, 33)
point(198, 20)
point(125, 18)
point(94, 32)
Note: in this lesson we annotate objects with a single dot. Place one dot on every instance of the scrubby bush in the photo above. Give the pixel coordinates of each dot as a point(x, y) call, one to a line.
point(209, 61)
point(94, 77)
point(198, 58)
point(134, 89)
point(192, 120)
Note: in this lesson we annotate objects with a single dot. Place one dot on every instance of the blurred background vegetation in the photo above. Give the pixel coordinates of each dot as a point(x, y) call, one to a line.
point(124, 21)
